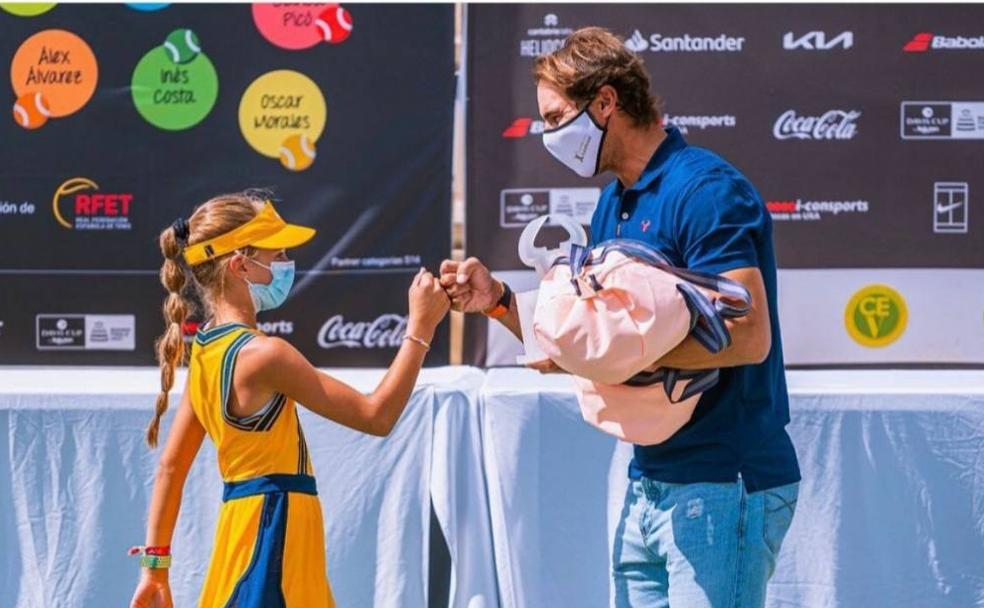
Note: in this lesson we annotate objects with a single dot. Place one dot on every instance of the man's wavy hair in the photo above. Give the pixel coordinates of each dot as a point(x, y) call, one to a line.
point(591, 58)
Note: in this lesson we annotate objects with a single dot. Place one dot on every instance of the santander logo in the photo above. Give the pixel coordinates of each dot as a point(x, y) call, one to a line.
point(386, 331)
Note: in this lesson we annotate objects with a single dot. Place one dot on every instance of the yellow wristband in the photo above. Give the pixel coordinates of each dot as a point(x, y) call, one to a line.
point(155, 561)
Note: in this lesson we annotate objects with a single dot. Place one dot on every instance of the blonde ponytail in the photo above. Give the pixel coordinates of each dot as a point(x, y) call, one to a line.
point(170, 346)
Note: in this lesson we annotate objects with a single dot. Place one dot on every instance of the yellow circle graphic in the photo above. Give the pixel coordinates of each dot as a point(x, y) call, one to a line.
point(278, 105)
point(876, 316)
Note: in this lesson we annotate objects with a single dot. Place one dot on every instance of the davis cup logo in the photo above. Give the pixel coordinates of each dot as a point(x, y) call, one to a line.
point(833, 124)
point(876, 316)
point(386, 331)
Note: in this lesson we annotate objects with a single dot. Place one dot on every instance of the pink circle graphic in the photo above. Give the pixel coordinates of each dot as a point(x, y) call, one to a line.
point(289, 26)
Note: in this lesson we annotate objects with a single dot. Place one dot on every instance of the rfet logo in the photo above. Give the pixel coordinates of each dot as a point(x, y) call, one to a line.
point(79, 205)
point(521, 127)
point(925, 41)
point(876, 316)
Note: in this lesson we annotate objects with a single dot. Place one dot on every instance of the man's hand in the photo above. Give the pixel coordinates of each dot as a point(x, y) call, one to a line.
point(470, 285)
point(547, 366)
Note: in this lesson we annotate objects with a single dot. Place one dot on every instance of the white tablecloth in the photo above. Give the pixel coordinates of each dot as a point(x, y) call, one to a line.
point(891, 511)
point(891, 508)
point(76, 478)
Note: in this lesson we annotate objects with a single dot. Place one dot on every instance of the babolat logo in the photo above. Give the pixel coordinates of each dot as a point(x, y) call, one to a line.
point(386, 331)
point(925, 41)
point(521, 127)
point(876, 316)
point(79, 205)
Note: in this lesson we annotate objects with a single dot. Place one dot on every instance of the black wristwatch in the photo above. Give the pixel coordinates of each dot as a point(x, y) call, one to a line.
point(502, 306)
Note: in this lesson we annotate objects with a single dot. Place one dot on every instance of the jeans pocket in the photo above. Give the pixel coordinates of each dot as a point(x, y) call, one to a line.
point(780, 505)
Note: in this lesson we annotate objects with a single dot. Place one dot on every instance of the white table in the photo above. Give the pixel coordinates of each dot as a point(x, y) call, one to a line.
point(891, 509)
point(76, 478)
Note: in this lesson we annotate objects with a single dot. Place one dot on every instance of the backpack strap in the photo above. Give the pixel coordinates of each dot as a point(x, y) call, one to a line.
point(707, 315)
point(701, 380)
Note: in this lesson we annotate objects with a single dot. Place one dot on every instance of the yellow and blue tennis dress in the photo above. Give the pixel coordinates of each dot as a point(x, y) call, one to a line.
point(269, 540)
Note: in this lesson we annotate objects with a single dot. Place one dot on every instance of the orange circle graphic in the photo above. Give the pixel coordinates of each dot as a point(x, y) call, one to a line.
point(59, 65)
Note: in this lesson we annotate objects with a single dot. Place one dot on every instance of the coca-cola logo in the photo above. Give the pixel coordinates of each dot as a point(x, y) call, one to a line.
point(833, 124)
point(386, 331)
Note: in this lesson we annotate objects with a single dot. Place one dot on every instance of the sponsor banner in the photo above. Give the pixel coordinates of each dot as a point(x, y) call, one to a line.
point(519, 206)
point(817, 41)
point(684, 43)
point(926, 41)
point(833, 124)
point(869, 316)
point(882, 315)
point(686, 123)
point(942, 120)
point(951, 207)
point(85, 332)
point(282, 97)
point(799, 210)
point(810, 111)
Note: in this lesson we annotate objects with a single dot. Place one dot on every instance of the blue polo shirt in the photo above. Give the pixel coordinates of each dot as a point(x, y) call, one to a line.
point(703, 214)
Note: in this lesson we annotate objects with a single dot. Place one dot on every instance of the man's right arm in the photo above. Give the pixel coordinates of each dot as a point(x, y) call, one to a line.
point(472, 288)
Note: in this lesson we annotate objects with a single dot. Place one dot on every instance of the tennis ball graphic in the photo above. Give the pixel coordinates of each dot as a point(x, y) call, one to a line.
point(334, 24)
point(297, 152)
point(172, 95)
point(182, 45)
point(31, 110)
point(281, 115)
point(60, 66)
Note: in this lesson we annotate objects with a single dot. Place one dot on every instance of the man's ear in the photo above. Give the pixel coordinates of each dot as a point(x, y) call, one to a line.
point(606, 101)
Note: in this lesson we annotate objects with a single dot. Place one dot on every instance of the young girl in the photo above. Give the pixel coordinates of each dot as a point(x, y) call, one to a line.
point(241, 390)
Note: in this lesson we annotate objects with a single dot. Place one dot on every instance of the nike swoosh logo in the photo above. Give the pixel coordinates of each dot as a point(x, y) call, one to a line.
point(945, 208)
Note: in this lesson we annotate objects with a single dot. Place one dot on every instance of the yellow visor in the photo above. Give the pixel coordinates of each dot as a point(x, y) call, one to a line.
point(267, 231)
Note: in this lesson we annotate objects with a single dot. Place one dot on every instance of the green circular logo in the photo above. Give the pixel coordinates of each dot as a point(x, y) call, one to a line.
point(876, 316)
point(174, 96)
point(27, 9)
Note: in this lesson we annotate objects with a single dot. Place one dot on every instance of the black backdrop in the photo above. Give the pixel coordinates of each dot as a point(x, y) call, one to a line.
point(378, 189)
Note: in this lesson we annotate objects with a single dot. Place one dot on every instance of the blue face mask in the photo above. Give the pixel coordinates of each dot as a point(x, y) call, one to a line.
point(272, 294)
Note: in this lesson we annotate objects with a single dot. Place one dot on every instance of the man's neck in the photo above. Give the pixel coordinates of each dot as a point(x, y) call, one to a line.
point(638, 147)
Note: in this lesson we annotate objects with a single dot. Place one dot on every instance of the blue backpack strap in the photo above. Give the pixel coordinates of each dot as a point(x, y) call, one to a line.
point(700, 380)
point(707, 326)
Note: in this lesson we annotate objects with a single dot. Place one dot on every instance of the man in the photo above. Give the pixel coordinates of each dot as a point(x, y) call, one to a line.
point(706, 511)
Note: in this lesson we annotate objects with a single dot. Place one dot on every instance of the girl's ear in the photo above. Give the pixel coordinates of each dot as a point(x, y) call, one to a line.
point(236, 265)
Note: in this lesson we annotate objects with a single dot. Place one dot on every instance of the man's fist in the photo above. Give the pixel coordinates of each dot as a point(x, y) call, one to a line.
point(470, 285)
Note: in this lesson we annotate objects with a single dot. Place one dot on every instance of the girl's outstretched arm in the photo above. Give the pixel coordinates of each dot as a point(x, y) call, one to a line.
point(279, 367)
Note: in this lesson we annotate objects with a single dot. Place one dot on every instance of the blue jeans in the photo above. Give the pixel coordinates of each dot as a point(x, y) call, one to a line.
point(698, 545)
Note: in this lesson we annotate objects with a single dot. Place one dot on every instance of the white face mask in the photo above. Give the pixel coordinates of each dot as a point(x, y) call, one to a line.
point(577, 143)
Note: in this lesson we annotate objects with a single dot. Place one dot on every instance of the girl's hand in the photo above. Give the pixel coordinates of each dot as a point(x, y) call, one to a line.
point(428, 305)
point(153, 590)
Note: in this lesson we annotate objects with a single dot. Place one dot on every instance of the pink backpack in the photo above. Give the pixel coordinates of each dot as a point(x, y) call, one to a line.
point(606, 314)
